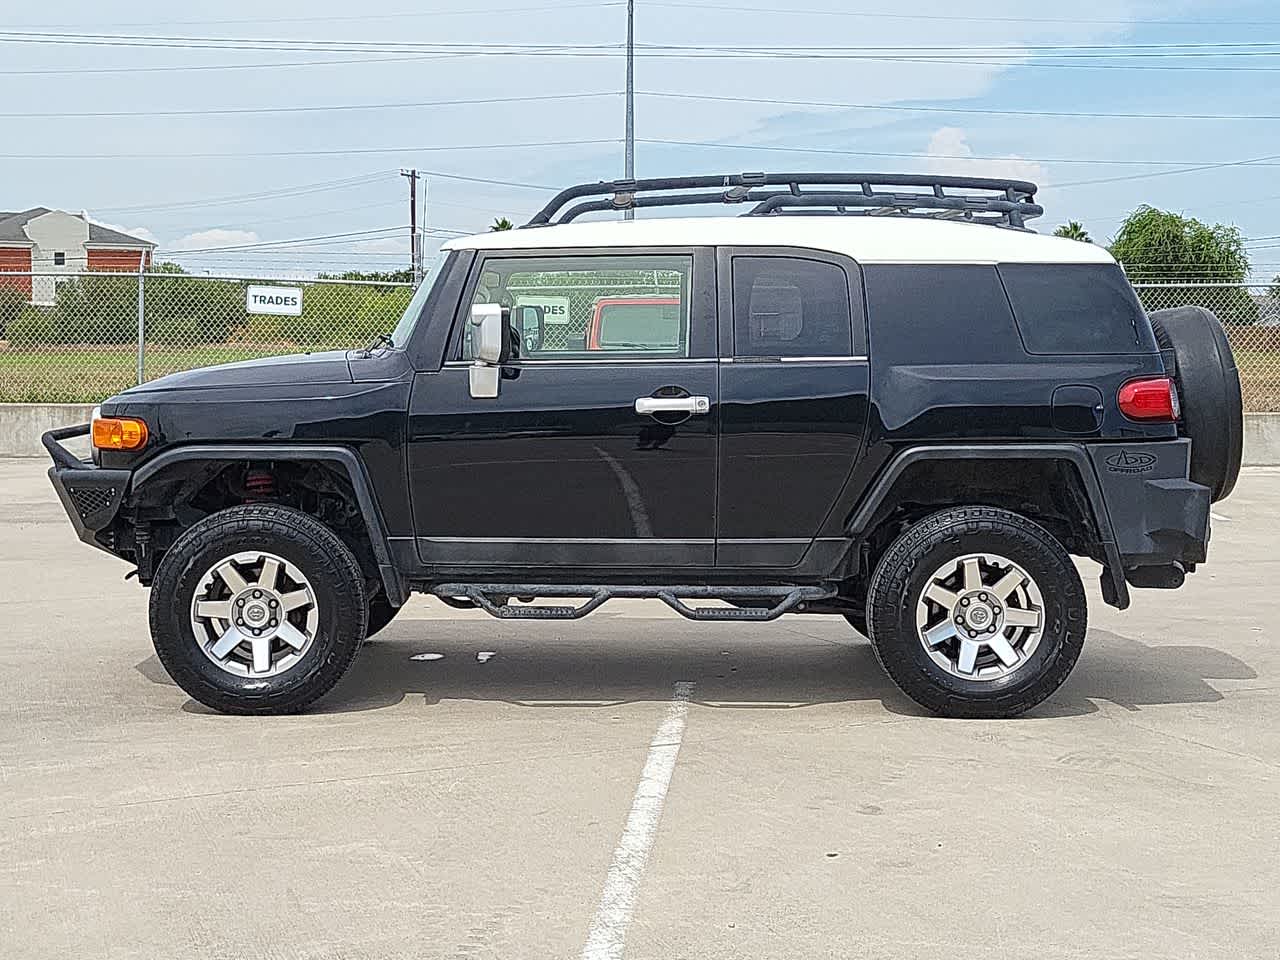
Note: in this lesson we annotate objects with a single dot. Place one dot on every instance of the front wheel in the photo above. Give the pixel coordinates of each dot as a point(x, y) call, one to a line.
point(977, 612)
point(257, 609)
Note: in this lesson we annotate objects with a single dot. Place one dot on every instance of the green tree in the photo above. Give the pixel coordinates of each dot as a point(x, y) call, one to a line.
point(1073, 230)
point(502, 223)
point(381, 276)
point(1160, 247)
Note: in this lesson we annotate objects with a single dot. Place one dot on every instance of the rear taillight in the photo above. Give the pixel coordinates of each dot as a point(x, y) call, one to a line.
point(1154, 399)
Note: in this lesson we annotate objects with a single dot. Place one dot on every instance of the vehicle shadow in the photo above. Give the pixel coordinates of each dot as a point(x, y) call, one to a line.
point(541, 666)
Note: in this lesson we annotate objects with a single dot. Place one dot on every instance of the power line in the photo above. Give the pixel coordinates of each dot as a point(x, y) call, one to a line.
point(1211, 49)
point(325, 108)
point(690, 7)
point(468, 11)
point(922, 156)
point(296, 242)
point(984, 111)
point(282, 192)
point(1166, 173)
point(183, 68)
point(350, 151)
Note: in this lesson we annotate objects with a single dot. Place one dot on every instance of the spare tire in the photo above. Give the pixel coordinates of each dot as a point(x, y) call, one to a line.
point(1198, 357)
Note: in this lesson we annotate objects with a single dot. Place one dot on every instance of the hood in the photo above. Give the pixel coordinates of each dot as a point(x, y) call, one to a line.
point(328, 367)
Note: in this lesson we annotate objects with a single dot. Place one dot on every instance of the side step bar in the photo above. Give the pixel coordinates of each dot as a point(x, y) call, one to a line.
point(494, 599)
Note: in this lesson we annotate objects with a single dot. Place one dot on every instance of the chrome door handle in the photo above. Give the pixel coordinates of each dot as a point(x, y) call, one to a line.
point(650, 405)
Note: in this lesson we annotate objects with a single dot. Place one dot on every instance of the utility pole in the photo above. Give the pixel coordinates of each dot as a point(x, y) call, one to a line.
point(415, 261)
point(630, 161)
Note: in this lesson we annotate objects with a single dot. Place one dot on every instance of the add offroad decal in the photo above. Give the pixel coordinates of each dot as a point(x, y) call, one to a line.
point(1131, 463)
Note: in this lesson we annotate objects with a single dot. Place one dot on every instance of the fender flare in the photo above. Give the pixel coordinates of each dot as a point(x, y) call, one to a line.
point(392, 581)
point(1113, 577)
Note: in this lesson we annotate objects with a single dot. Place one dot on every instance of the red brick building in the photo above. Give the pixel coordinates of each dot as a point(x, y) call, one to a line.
point(53, 242)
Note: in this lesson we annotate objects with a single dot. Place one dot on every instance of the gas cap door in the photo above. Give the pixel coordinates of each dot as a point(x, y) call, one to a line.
point(1077, 409)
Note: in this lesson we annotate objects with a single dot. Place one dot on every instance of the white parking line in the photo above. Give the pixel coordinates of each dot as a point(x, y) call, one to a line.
point(609, 928)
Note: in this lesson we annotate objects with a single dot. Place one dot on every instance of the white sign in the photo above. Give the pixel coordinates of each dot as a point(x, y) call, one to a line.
point(280, 301)
point(555, 310)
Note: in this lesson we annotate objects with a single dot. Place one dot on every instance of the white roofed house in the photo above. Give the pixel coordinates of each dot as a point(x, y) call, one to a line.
point(51, 242)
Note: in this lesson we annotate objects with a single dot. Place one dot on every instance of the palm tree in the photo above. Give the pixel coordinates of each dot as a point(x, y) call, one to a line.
point(502, 223)
point(1073, 231)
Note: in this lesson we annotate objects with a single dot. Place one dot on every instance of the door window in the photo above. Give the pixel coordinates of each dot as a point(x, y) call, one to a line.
point(790, 307)
point(592, 307)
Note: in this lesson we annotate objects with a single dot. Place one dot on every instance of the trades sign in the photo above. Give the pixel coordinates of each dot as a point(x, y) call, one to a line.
point(555, 310)
point(279, 301)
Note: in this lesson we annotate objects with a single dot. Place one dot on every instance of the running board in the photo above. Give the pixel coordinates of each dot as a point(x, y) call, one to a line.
point(494, 599)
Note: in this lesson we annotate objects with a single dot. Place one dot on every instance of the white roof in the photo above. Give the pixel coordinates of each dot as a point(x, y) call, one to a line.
point(865, 239)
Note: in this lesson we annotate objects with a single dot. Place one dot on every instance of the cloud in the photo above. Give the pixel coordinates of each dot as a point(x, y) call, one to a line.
point(205, 239)
point(142, 233)
point(950, 154)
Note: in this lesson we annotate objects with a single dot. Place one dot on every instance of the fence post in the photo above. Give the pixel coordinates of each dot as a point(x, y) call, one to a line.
point(142, 320)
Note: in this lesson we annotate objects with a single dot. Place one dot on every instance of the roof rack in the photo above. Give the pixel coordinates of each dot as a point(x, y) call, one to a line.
point(1007, 203)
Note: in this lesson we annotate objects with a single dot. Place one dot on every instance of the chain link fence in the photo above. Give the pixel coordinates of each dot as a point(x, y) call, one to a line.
point(79, 337)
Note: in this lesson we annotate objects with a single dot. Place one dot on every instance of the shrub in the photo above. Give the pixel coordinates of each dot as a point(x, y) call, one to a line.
point(32, 327)
point(12, 300)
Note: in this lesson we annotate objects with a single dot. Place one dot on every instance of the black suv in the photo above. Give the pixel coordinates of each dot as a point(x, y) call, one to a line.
point(913, 419)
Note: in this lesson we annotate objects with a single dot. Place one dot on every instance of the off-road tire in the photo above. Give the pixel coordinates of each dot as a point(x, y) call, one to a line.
point(298, 538)
point(900, 579)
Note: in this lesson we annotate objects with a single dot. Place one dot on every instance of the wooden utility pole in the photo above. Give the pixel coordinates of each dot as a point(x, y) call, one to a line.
point(415, 260)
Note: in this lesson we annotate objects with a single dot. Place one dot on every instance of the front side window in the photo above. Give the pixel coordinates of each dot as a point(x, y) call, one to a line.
point(592, 307)
point(790, 307)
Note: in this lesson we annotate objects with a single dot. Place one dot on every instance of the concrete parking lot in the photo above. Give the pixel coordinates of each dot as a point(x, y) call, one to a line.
point(522, 795)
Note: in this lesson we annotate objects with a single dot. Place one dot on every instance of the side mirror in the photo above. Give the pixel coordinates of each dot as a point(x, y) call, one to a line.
point(527, 324)
point(490, 342)
point(491, 346)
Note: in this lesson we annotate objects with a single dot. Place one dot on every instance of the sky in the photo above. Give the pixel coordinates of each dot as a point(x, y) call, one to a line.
point(199, 181)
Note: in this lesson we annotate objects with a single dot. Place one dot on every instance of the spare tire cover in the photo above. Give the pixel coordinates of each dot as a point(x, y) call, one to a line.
point(1209, 389)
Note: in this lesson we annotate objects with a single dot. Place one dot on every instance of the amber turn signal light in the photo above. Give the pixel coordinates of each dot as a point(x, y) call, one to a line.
point(119, 433)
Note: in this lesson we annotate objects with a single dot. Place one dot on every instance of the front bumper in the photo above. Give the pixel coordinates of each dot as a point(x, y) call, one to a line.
point(90, 494)
point(1159, 518)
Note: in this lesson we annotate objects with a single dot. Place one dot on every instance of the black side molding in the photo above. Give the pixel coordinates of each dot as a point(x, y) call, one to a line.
point(392, 580)
point(1114, 588)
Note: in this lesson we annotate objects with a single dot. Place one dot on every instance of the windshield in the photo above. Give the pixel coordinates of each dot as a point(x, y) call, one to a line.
point(404, 328)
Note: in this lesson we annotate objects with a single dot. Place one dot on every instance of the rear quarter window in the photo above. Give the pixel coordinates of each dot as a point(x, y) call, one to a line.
point(1076, 309)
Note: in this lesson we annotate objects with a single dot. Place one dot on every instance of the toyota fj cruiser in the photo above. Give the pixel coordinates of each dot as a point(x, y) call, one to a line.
point(875, 396)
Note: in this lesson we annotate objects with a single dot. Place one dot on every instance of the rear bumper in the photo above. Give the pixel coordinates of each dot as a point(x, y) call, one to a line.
point(1160, 519)
point(90, 494)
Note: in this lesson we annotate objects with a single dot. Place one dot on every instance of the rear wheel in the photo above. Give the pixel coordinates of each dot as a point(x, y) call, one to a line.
point(257, 609)
point(977, 612)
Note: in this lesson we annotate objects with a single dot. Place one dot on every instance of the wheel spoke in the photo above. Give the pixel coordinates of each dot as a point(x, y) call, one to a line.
point(1014, 617)
point(261, 654)
point(1003, 649)
point(291, 635)
point(972, 574)
point(270, 572)
point(940, 634)
point(226, 643)
point(214, 609)
point(232, 578)
point(1010, 582)
point(292, 601)
point(942, 596)
point(968, 656)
